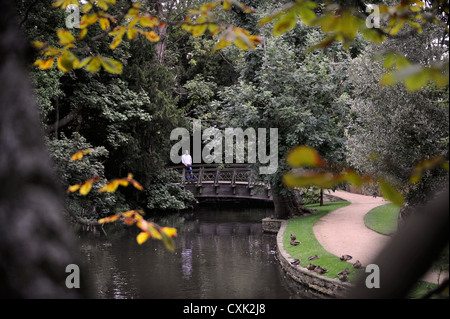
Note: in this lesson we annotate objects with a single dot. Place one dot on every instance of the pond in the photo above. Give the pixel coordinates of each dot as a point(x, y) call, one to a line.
point(220, 253)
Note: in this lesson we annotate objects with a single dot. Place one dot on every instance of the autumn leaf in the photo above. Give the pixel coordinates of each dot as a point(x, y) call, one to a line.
point(112, 186)
point(79, 155)
point(65, 37)
point(284, 24)
point(104, 23)
point(64, 3)
point(109, 219)
point(149, 21)
point(88, 19)
point(44, 64)
point(94, 65)
point(118, 33)
point(142, 237)
point(169, 231)
point(111, 65)
point(307, 179)
point(304, 156)
point(390, 193)
point(67, 61)
point(73, 188)
point(84, 188)
point(151, 36)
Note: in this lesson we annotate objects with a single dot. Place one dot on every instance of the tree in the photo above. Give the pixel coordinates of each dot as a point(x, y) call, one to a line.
point(296, 94)
point(35, 246)
point(393, 129)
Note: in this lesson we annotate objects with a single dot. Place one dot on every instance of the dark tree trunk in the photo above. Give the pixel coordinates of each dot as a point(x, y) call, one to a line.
point(35, 243)
point(288, 205)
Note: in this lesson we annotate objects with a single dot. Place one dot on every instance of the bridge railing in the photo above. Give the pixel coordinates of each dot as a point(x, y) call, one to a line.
point(216, 175)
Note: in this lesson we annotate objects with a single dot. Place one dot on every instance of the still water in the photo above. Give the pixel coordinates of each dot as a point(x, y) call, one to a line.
point(220, 253)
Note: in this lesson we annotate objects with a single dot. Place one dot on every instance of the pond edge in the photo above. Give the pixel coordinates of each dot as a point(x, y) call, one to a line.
point(316, 285)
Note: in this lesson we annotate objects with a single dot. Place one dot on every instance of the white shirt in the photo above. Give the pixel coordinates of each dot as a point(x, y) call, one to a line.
point(186, 159)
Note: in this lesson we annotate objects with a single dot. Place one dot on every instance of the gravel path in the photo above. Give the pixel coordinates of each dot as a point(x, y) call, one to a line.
point(343, 232)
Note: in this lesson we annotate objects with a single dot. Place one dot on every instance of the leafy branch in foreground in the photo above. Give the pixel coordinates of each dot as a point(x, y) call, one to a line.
point(319, 173)
point(149, 229)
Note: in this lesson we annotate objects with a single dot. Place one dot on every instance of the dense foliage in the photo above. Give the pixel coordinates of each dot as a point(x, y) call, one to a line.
point(160, 77)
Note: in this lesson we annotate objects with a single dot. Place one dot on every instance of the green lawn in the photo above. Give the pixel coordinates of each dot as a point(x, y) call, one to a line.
point(383, 219)
point(302, 227)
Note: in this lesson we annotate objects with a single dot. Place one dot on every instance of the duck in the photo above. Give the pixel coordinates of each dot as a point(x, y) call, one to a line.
point(293, 237)
point(311, 267)
point(295, 262)
point(295, 242)
point(346, 257)
point(346, 271)
point(313, 257)
point(320, 270)
point(343, 277)
point(357, 264)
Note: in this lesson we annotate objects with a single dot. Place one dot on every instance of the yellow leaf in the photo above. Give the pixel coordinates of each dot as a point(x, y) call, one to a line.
point(168, 242)
point(102, 4)
point(118, 32)
point(198, 30)
point(110, 187)
point(65, 3)
point(94, 65)
point(104, 23)
point(154, 233)
point(49, 51)
point(88, 19)
point(87, 7)
point(44, 64)
point(73, 188)
point(391, 194)
point(79, 155)
point(38, 44)
point(227, 5)
point(85, 188)
point(307, 179)
point(111, 65)
point(109, 219)
point(82, 34)
point(222, 44)
point(284, 24)
point(169, 231)
point(132, 33)
point(142, 237)
point(65, 37)
point(67, 61)
point(83, 63)
point(151, 36)
point(149, 21)
point(304, 156)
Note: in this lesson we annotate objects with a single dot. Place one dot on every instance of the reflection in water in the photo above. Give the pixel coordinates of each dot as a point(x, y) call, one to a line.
point(219, 254)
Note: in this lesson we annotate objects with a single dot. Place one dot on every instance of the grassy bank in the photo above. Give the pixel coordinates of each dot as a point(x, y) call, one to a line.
point(383, 219)
point(302, 228)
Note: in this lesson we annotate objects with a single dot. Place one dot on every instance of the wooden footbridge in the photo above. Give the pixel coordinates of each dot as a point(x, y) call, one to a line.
point(212, 181)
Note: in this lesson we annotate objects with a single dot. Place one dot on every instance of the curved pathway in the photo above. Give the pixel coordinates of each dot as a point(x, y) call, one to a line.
point(343, 231)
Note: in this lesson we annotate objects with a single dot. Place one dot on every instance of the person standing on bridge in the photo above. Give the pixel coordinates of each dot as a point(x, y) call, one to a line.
point(186, 159)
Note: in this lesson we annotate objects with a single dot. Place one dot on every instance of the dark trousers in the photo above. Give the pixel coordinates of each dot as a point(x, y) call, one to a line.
point(189, 170)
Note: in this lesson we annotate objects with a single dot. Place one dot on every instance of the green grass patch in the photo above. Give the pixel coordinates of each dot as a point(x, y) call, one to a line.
point(420, 289)
point(383, 219)
point(302, 228)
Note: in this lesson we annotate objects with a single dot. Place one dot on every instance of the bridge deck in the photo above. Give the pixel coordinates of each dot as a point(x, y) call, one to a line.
point(215, 182)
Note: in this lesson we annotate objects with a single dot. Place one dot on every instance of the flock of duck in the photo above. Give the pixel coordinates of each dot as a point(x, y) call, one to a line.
point(320, 270)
